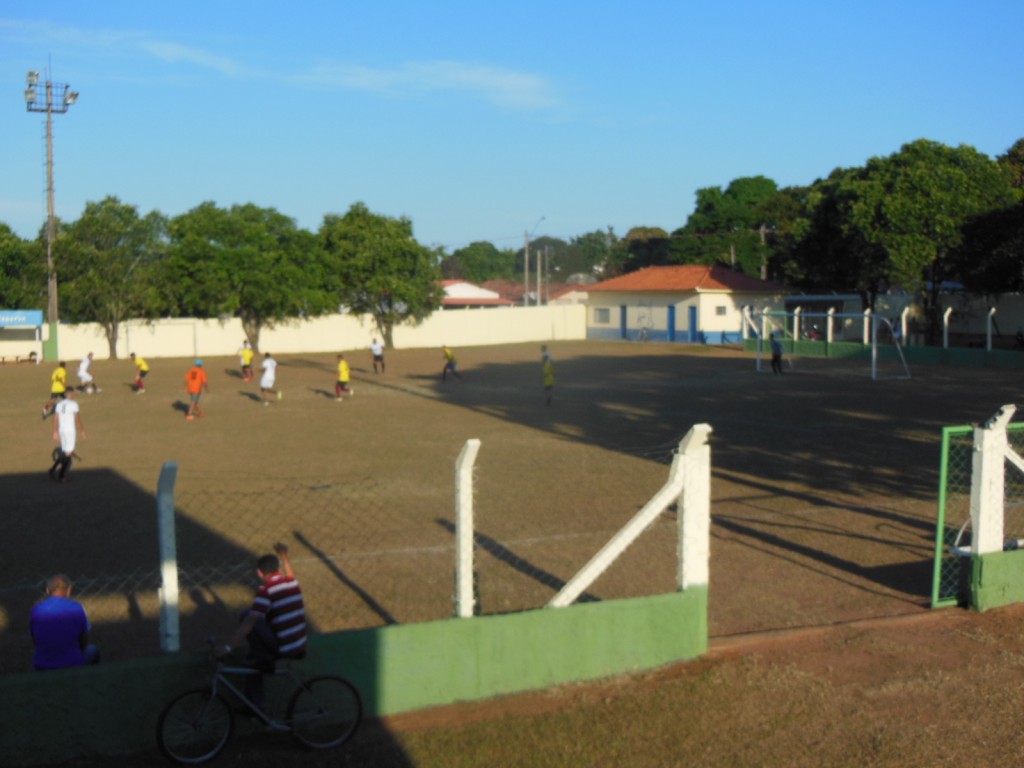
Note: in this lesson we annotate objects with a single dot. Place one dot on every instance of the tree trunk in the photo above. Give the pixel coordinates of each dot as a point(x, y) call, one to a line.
point(252, 326)
point(110, 331)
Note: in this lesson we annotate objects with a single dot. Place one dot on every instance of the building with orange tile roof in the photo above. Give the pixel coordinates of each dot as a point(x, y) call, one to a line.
point(694, 303)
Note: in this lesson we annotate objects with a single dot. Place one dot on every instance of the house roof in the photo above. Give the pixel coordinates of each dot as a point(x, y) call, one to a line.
point(460, 293)
point(496, 302)
point(690, 277)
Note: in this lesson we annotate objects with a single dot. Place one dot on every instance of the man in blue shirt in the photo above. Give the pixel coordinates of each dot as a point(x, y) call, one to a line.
point(60, 629)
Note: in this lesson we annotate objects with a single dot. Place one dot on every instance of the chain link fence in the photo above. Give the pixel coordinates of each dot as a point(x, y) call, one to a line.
point(368, 551)
point(952, 557)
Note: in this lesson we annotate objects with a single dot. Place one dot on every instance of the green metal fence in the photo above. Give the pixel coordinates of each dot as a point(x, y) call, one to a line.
point(953, 526)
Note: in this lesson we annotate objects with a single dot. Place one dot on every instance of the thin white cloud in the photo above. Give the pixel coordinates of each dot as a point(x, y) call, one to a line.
point(505, 88)
point(173, 53)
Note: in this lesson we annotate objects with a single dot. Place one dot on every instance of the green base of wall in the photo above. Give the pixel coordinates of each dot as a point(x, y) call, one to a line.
point(51, 352)
point(915, 355)
point(997, 579)
point(113, 709)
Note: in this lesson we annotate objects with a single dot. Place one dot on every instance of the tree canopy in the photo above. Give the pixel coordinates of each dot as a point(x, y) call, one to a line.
point(247, 262)
point(378, 268)
point(22, 272)
point(922, 216)
point(108, 258)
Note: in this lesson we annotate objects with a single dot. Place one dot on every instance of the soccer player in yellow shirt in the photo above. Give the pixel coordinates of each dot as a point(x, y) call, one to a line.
point(548, 366)
point(58, 386)
point(450, 364)
point(246, 355)
point(344, 375)
point(142, 370)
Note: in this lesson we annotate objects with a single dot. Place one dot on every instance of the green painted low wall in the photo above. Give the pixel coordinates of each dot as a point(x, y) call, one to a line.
point(997, 579)
point(113, 708)
point(915, 355)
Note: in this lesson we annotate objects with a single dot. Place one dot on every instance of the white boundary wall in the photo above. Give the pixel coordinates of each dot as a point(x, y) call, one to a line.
point(187, 337)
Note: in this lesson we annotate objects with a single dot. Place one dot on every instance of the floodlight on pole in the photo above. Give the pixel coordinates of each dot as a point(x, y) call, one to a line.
point(526, 263)
point(44, 95)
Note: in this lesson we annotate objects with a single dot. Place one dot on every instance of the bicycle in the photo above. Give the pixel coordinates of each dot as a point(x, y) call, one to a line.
point(323, 712)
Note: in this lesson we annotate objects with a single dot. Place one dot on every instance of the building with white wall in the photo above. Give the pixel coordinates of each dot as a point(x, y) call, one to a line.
point(694, 303)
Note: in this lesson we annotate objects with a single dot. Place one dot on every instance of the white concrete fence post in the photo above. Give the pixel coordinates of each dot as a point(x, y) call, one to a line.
point(991, 450)
point(465, 600)
point(170, 633)
point(690, 472)
point(694, 519)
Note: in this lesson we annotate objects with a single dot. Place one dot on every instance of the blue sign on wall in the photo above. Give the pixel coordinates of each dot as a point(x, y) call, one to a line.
point(20, 318)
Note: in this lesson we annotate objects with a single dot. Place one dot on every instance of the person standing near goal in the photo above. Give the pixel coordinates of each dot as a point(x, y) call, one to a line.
point(776, 355)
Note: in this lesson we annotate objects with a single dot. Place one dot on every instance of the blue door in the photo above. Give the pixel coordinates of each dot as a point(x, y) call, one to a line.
point(672, 323)
point(693, 331)
point(623, 331)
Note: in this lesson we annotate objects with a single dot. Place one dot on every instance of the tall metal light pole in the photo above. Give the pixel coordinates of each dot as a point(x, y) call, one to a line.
point(49, 97)
point(526, 262)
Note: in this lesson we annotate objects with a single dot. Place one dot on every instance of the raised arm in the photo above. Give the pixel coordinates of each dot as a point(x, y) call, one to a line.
point(281, 550)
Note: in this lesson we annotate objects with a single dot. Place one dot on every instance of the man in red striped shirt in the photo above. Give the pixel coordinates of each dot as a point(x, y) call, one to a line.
point(275, 625)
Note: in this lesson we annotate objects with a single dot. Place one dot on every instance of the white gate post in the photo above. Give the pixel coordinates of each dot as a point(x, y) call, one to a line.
point(987, 482)
point(170, 633)
point(464, 598)
point(694, 519)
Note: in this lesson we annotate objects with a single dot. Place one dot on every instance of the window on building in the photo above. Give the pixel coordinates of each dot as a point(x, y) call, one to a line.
point(721, 311)
point(602, 315)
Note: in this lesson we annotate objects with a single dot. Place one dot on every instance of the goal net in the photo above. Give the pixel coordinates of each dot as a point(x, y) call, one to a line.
point(832, 341)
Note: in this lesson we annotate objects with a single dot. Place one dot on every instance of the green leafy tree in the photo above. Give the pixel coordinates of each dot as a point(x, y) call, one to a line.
point(913, 204)
point(380, 269)
point(108, 258)
point(830, 255)
point(727, 226)
point(588, 254)
point(641, 247)
point(550, 250)
point(247, 262)
point(991, 258)
point(785, 222)
point(478, 262)
point(22, 271)
point(1013, 163)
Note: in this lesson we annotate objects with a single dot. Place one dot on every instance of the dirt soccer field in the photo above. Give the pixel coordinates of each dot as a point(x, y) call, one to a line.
point(824, 484)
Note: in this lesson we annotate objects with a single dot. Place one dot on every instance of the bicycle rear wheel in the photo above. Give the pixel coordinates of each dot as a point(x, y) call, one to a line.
point(194, 727)
point(325, 712)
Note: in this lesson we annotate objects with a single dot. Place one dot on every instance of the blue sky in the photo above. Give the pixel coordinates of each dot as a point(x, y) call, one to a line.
point(476, 119)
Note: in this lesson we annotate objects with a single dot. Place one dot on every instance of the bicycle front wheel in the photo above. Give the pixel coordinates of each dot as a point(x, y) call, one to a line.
point(194, 727)
point(325, 712)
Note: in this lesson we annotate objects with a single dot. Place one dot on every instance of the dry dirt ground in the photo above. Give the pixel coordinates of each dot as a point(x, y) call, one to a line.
point(824, 495)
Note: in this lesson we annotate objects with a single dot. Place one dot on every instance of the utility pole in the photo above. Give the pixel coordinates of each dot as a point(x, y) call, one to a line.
point(526, 268)
point(51, 98)
point(526, 264)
